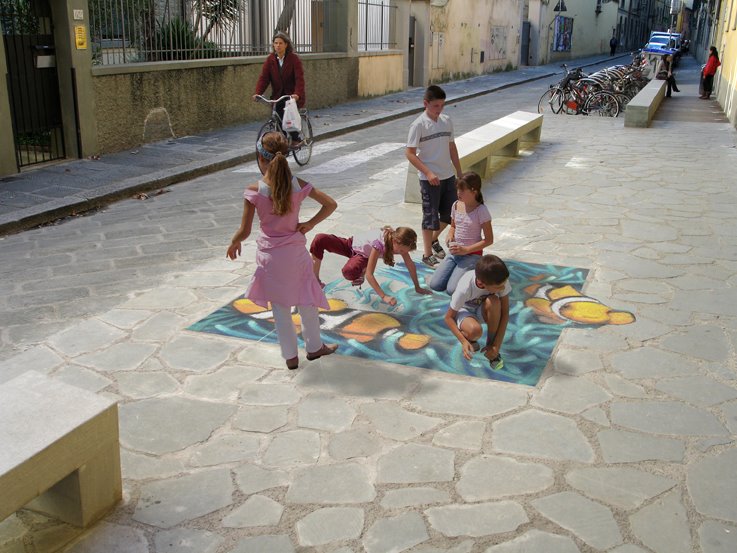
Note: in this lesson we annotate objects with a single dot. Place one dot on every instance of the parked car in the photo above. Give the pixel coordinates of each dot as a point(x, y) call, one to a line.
point(661, 43)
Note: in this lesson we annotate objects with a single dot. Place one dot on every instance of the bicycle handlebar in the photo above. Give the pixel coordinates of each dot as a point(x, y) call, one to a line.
point(267, 101)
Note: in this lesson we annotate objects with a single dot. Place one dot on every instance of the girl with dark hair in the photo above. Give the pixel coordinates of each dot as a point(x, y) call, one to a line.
point(470, 232)
point(364, 250)
point(283, 276)
point(710, 70)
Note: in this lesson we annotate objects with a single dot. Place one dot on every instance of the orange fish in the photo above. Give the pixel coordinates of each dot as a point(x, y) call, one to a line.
point(351, 324)
point(558, 304)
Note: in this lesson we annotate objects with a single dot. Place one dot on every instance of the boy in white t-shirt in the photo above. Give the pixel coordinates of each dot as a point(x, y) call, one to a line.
point(481, 295)
point(432, 150)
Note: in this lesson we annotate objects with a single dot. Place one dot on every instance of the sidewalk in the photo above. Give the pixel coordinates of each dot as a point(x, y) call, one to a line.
point(47, 193)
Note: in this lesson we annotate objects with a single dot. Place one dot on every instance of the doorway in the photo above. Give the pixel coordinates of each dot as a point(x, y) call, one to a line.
point(33, 84)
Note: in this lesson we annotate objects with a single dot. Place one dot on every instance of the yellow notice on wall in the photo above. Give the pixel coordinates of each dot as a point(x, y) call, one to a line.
point(80, 37)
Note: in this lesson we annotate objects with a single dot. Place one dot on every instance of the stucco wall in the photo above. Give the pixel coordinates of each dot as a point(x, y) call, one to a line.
point(591, 32)
point(726, 78)
point(380, 73)
point(196, 97)
point(463, 29)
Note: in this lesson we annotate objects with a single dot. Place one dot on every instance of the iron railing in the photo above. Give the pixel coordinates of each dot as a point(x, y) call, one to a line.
point(375, 21)
point(133, 31)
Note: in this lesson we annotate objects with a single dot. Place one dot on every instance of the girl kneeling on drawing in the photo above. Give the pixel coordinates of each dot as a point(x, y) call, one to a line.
point(363, 250)
point(470, 232)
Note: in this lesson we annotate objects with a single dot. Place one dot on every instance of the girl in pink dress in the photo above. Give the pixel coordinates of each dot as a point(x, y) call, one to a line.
point(284, 275)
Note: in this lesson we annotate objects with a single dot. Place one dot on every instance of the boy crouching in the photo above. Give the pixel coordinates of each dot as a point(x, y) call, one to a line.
point(481, 295)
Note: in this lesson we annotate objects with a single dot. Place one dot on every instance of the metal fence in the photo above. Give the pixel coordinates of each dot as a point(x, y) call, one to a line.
point(375, 21)
point(133, 31)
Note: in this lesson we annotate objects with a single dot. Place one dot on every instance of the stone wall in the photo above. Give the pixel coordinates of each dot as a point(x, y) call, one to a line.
point(147, 102)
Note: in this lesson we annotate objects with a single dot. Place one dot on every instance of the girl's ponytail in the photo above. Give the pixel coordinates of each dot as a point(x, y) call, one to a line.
point(389, 233)
point(404, 236)
point(274, 149)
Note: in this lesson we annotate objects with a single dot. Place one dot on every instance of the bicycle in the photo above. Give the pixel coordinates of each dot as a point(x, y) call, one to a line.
point(555, 97)
point(580, 94)
point(301, 150)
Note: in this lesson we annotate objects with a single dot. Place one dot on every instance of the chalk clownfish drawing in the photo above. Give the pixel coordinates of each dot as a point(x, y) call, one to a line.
point(556, 304)
point(351, 324)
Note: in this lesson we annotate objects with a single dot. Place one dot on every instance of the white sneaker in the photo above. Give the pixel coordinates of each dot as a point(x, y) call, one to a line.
point(438, 250)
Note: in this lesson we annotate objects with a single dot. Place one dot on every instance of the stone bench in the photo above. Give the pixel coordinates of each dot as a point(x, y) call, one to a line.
point(59, 450)
point(641, 109)
point(477, 148)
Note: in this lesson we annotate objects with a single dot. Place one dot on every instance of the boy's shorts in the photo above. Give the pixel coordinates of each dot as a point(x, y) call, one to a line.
point(473, 309)
point(437, 202)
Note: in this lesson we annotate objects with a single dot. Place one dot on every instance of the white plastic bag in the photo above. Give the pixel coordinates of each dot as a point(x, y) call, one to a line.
point(292, 121)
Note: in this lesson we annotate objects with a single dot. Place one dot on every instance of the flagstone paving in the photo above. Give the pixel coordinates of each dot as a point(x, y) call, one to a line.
point(627, 445)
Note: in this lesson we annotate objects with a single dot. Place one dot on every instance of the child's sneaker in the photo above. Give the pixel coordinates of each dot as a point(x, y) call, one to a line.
point(475, 346)
point(430, 260)
point(497, 363)
point(438, 250)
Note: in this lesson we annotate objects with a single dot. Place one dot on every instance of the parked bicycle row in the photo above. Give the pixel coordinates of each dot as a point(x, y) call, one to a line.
point(605, 93)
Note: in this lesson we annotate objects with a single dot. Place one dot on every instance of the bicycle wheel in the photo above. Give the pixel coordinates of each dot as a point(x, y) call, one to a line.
point(570, 102)
point(303, 154)
point(603, 104)
point(553, 99)
point(269, 126)
point(622, 100)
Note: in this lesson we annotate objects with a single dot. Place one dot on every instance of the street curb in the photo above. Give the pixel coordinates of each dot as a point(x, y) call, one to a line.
point(59, 209)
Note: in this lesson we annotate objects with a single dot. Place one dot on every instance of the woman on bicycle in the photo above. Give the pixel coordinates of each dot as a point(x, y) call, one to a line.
point(283, 71)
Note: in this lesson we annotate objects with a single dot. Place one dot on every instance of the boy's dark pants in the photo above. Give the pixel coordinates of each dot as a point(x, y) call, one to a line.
point(437, 202)
point(356, 264)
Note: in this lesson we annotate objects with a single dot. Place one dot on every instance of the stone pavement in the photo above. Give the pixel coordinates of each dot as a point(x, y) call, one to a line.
point(627, 445)
point(46, 193)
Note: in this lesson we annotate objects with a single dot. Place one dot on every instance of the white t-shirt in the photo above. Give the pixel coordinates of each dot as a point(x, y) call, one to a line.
point(432, 140)
point(468, 292)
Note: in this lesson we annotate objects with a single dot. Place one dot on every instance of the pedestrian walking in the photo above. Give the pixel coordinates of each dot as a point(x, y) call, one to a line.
point(431, 149)
point(710, 69)
point(470, 232)
point(613, 43)
point(283, 276)
point(363, 251)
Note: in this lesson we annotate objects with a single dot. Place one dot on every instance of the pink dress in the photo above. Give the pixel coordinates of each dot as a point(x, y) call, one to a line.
point(283, 265)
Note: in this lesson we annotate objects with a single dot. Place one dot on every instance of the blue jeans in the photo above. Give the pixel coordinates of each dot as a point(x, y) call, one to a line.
point(450, 270)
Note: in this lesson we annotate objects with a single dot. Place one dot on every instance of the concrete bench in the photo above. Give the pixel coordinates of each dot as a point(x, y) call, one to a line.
point(59, 450)
point(477, 148)
point(641, 109)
